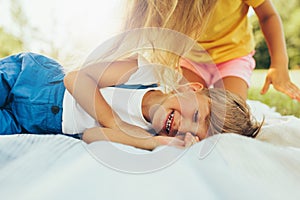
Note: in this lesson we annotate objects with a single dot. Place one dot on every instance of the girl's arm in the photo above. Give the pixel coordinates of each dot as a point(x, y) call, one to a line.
point(272, 29)
point(139, 141)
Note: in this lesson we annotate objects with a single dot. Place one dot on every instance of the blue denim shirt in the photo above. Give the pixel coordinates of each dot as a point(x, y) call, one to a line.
point(32, 93)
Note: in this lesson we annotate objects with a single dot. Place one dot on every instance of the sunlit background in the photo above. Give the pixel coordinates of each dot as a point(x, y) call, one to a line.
point(68, 30)
point(60, 28)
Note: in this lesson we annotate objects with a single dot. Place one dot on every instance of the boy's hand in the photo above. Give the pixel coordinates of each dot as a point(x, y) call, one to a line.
point(190, 139)
point(132, 130)
point(181, 141)
point(171, 141)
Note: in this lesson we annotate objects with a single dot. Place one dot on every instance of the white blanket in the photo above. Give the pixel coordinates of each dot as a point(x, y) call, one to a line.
point(225, 166)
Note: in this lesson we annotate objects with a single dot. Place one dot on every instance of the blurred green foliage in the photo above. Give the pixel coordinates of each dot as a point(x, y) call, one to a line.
point(273, 98)
point(281, 102)
point(290, 15)
point(9, 44)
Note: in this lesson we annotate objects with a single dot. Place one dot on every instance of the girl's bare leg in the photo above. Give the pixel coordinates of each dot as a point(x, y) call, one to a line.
point(235, 85)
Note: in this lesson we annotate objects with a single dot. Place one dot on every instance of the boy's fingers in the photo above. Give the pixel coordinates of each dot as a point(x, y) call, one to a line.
point(190, 140)
point(177, 142)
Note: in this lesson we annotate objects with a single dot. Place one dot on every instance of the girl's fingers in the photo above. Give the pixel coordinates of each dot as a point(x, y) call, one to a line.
point(291, 90)
point(266, 86)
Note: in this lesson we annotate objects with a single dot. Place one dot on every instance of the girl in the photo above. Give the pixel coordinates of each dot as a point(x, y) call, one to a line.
point(34, 100)
point(227, 38)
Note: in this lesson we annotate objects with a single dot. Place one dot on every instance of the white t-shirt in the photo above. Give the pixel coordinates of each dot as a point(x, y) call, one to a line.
point(127, 103)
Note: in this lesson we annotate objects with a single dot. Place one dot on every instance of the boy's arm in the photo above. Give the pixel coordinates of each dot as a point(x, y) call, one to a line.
point(272, 29)
point(139, 140)
point(85, 83)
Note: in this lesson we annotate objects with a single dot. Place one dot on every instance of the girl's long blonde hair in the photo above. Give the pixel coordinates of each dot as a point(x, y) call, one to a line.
point(163, 24)
point(187, 17)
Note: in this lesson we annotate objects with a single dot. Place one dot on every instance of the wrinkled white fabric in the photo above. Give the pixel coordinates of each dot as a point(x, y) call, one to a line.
point(227, 166)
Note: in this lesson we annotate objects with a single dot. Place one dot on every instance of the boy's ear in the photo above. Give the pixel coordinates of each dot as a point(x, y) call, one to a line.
point(196, 86)
point(191, 86)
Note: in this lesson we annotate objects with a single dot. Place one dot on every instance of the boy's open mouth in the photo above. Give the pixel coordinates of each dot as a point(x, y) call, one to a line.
point(169, 122)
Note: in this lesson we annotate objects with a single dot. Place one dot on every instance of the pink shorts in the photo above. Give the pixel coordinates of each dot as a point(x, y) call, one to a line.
point(211, 73)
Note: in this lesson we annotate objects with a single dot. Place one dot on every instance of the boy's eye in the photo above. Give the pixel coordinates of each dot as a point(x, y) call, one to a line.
point(195, 118)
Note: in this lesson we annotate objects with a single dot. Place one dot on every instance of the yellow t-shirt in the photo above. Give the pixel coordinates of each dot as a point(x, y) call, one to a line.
point(227, 34)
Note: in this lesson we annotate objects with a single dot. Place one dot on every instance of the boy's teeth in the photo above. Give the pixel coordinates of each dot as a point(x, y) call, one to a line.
point(169, 121)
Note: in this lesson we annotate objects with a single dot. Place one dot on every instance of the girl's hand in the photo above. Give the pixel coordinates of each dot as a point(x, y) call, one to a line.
point(281, 81)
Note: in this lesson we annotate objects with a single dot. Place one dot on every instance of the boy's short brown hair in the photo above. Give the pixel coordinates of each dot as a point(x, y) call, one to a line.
point(230, 114)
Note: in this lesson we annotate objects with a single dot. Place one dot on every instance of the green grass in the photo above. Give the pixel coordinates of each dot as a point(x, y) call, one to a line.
point(283, 104)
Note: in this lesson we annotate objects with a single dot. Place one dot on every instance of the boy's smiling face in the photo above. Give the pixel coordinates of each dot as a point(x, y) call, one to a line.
point(183, 112)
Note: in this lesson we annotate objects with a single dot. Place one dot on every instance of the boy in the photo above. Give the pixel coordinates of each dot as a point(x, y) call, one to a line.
point(35, 101)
